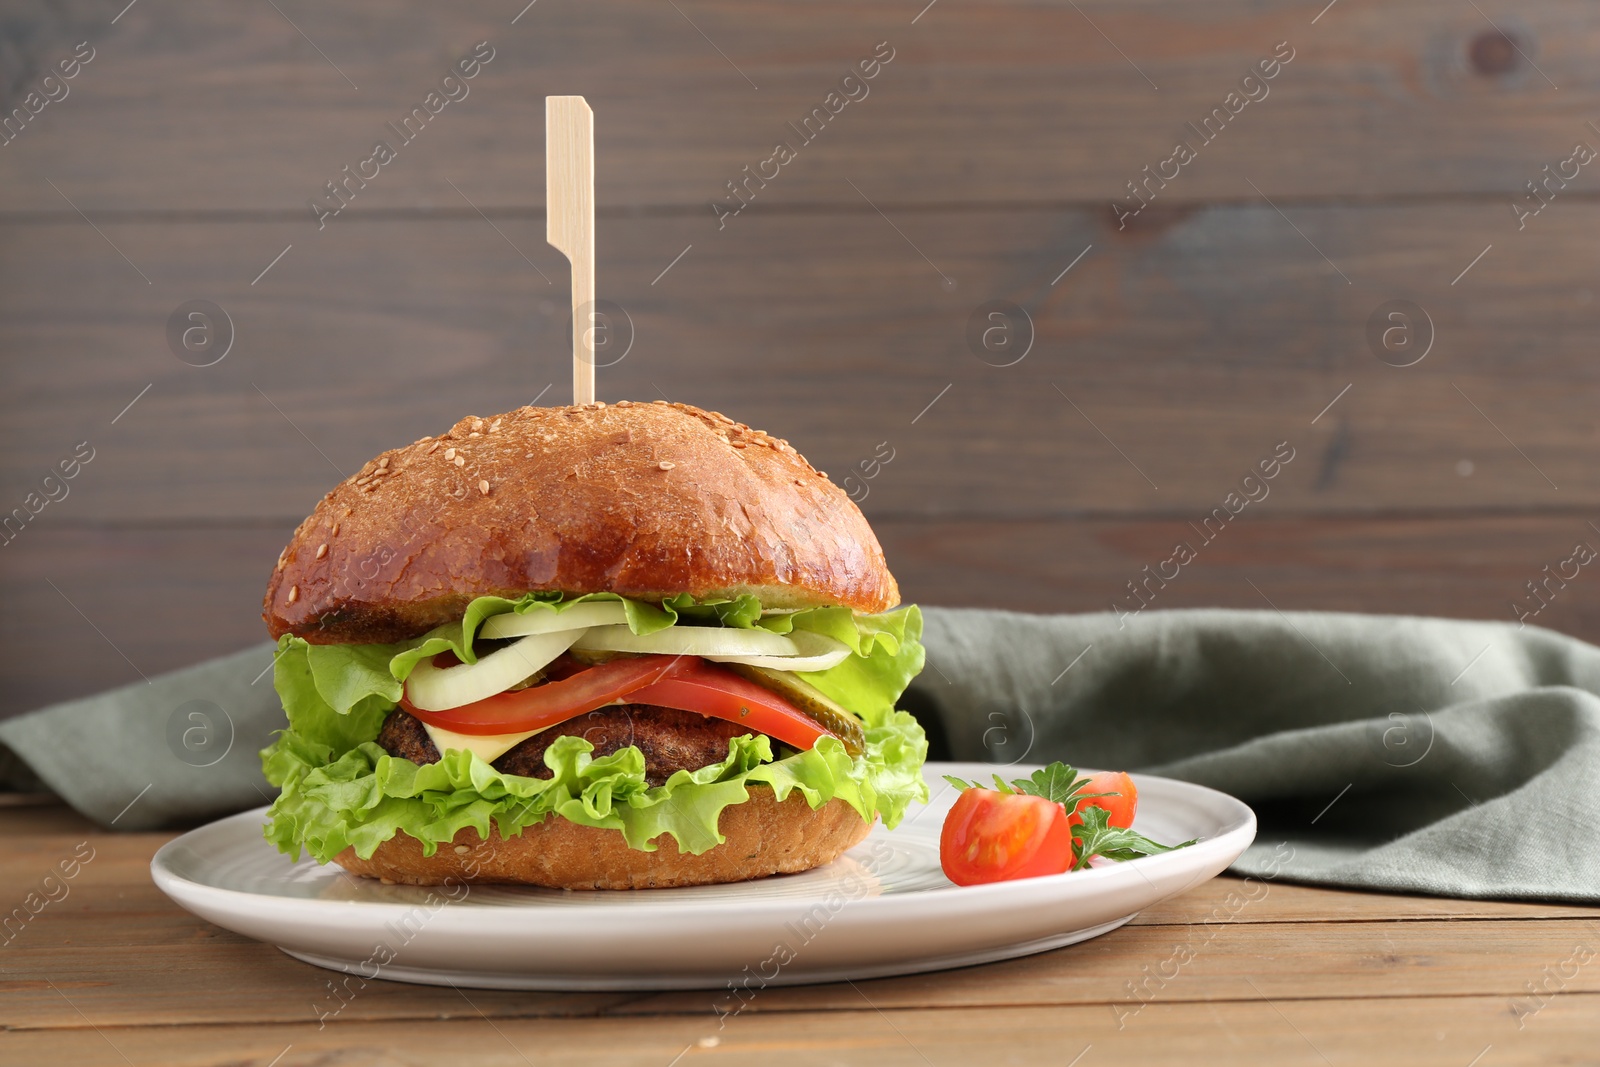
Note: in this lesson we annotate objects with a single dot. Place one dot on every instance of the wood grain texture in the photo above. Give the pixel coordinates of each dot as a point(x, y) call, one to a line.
point(191, 106)
point(1156, 383)
point(1467, 566)
point(1400, 1032)
point(1218, 963)
point(204, 586)
point(1378, 960)
point(1410, 1032)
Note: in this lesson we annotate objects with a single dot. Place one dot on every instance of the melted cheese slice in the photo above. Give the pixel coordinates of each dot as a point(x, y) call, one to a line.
point(487, 747)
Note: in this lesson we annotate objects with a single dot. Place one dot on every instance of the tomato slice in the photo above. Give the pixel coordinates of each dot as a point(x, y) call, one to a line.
point(554, 702)
point(720, 693)
point(687, 683)
point(1121, 806)
point(996, 837)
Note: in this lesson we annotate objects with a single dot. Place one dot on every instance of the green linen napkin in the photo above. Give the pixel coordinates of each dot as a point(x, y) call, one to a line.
point(1381, 752)
point(1404, 754)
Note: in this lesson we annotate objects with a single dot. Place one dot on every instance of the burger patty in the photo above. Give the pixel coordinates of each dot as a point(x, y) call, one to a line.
point(669, 739)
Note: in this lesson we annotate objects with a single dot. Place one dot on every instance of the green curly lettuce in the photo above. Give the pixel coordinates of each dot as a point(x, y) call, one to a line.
point(340, 789)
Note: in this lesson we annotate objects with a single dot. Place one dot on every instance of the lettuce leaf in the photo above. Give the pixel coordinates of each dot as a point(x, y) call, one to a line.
point(340, 789)
point(888, 654)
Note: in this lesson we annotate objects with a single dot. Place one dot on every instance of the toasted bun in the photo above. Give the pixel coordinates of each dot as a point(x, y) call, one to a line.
point(645, 500)
point(763, 837)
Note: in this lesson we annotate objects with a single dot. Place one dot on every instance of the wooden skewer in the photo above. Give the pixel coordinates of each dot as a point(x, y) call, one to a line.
point(569, 226)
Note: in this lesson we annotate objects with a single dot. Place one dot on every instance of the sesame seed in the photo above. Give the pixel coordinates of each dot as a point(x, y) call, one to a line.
point(658, 402)
point(335, 531)
point(822, 474)
point(461, 461)
point(322, 550)
point(483, 487)
point(462, 850)
point(740, 444)
point(474, 434)
point(477, 423)
point(449, 453)
point(624, 403)
point(599, 404)
point(666, 464)
point(435, 447)
point(495, 425)
point(384, 462)
point(294, 593)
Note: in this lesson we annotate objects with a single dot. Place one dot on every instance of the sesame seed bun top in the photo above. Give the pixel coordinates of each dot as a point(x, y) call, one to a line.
point(644, 500)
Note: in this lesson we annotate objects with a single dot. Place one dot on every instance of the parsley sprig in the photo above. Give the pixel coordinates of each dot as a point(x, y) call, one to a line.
point(1062, 784)
point(1097, 837)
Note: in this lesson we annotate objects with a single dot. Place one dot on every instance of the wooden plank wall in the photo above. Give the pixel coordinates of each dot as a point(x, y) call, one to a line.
point(1380, 163)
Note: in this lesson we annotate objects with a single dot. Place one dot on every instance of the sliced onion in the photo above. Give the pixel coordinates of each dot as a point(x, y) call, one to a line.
point(706, 641)
point(541, 621)
point(816, 653)
point(442, 688)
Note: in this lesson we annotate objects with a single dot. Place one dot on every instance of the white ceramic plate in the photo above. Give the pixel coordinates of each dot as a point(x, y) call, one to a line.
point(883, 908)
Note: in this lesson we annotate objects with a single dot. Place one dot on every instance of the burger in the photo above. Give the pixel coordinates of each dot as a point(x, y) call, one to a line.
point(597, 647)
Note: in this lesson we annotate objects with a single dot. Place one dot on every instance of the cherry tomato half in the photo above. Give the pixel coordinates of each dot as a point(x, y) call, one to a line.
point(995, 837)
point(1121, 807)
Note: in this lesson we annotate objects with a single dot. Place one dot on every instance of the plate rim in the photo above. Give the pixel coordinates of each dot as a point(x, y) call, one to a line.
point(1235, 837)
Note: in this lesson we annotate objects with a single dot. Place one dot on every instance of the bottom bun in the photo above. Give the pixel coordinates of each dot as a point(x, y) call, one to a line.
point(763, 837)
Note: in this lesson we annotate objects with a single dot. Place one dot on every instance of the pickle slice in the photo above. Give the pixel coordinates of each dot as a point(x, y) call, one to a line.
point(831, 716)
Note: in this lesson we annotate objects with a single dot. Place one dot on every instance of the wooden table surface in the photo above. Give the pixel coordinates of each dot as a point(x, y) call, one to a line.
point(1230, 972)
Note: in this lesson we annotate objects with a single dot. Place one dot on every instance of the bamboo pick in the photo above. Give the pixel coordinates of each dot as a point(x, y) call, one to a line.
point(569, 227)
